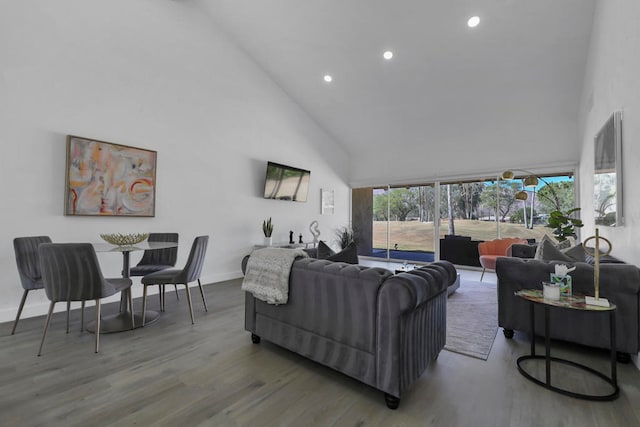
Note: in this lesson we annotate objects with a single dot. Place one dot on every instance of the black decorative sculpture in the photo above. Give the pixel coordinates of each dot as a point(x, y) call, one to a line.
point(291, 242)
point(300, 238)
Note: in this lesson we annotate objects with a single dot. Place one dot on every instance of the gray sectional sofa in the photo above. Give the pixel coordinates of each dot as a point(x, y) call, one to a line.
point(619, 283)
point(377, 327)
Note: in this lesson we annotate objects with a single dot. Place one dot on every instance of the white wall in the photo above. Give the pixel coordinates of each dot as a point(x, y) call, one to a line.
point(612, 83)
point(154, 74)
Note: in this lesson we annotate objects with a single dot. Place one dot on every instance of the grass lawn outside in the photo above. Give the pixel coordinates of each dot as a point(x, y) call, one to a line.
point(419, 236)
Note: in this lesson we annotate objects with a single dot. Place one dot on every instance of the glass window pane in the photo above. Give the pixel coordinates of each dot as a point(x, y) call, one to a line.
point(468, 209)
point(411, 223)
point(528, 216)
point(380, 222)
point(468, 216)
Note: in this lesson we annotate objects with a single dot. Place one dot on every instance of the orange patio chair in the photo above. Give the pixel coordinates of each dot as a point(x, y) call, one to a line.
point(490, 251)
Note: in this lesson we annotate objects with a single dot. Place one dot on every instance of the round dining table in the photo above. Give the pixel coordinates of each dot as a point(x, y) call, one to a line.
point(121, 321)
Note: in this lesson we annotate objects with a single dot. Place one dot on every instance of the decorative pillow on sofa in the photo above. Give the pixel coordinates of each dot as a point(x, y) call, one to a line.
point(324, 251)
point(348, 255)
point(547, 251)
point(576, 252)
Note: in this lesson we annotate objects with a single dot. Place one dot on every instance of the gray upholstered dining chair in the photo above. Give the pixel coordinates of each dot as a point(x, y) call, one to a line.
point(190, 273)
point(28, 261)
point(71, 272)
point(157, 259)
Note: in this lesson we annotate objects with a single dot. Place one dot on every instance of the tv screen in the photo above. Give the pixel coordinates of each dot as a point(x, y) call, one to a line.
point(286, 183)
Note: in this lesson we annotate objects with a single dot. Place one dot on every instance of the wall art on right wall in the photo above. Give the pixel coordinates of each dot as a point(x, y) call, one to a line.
point(607, 179)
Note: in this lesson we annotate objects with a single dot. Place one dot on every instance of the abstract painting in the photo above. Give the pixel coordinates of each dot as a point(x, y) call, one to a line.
point(106, 179)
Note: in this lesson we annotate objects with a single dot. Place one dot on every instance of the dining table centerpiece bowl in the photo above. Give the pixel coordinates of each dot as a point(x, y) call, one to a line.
point(122, 239)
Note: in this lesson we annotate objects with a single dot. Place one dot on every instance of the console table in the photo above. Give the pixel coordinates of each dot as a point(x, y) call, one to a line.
point(535, 297)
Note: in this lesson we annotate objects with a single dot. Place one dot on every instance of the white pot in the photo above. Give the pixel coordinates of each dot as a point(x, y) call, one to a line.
point(267, 241)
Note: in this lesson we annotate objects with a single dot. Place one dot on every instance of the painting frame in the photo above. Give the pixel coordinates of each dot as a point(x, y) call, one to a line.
point(327, 202)
point(107, 179)
point(607, 178)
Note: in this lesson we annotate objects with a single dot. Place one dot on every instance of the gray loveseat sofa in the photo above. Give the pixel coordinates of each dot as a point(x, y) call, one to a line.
point(377, 327)
point(619, 283)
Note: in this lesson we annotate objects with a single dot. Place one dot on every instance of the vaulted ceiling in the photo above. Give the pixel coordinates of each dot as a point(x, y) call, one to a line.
point(522, 66)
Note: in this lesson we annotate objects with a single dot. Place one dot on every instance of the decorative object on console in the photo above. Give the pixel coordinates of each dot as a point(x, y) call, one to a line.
point(300, 238)
point(562, 278)
point(596, 300)
point(121, 239)
point(291, 242)
point(103, 178)
point(551, 291)
point(315, 232)
point(267, 229)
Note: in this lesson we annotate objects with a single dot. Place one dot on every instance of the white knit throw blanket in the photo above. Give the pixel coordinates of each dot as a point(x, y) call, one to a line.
point(267, 275)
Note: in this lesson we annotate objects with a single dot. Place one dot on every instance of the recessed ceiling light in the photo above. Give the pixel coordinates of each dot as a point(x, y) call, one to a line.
point(387, 54)
point(473, 21)
point(328, 78)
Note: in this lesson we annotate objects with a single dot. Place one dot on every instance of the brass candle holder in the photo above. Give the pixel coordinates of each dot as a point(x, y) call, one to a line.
point(596, 300)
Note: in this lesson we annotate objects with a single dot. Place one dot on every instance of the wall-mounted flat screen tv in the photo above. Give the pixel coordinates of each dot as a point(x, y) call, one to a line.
point(286, 183)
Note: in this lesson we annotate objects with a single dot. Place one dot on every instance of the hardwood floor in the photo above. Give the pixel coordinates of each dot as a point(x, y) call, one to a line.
point(210, 374)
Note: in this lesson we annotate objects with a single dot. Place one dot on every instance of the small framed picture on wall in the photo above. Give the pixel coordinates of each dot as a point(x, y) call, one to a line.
point(327, 202)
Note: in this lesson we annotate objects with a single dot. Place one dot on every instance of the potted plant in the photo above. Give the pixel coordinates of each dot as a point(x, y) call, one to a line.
point(345, 236)
point(563, 225)
point(267, 229)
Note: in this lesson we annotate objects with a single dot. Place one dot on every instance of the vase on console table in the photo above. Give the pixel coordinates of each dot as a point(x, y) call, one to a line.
point(268, 241)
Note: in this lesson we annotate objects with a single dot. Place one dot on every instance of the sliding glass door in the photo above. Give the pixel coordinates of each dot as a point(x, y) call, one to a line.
point(403, 222)
point(409, 222)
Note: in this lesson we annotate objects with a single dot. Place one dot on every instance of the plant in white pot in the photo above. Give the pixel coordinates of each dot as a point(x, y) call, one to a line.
point(267, 229)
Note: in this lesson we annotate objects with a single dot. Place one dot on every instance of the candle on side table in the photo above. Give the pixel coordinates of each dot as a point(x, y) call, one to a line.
point(551, 291)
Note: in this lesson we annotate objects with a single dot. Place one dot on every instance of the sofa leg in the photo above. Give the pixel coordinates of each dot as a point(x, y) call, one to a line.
point(482, 275)
point(508, 333)
point(255, 339)
point(392, 401)
point(623, 357)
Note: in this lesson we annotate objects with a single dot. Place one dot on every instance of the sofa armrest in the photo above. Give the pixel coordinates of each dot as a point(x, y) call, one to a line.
point(411, 327)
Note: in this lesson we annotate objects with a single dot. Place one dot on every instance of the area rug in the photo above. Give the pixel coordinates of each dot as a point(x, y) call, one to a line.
point(472, 319)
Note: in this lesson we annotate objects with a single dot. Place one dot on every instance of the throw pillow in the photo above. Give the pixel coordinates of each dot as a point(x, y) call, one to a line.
point(576, 252)
point(539, 248)
point(348, 255)
point(549, 252)
point(324, 251)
